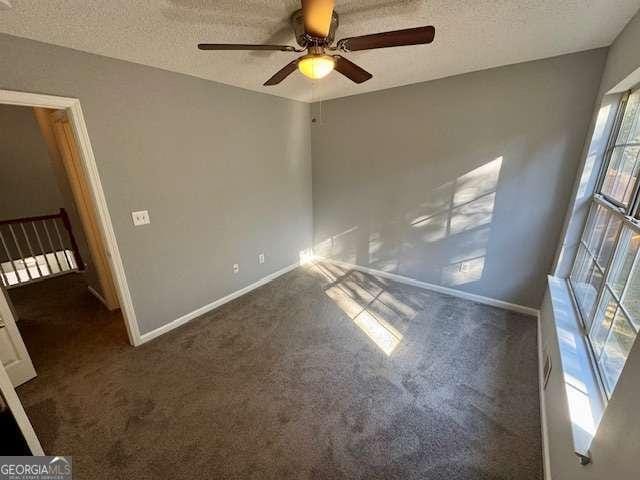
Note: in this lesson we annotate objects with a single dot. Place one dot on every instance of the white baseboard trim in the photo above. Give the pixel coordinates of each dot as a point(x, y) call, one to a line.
point(436, 288)
point(95, 293)
point(213, 305)
point(543, 410)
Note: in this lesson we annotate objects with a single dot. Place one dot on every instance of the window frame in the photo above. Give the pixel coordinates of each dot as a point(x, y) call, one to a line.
point(608, 153)
point(606, 286)
point(629, 216)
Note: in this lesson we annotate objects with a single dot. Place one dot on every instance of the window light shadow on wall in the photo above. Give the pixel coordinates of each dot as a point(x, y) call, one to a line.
point(458, 211)
point(469, 205)
point(367, 301)
point(468, 266)
point(464, 204)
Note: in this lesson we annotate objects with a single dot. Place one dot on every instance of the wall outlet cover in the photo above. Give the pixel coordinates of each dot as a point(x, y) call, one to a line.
point(140, 217)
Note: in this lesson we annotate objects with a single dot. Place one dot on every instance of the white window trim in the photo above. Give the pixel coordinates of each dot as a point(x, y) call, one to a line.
point(628, 215)
point(580, 377)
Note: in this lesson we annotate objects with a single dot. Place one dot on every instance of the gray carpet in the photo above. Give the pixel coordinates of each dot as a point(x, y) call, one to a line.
point(321, 374)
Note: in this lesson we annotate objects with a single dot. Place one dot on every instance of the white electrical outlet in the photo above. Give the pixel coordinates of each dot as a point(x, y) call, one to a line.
point(236, 268)
point(261, 258)
point(140, 217)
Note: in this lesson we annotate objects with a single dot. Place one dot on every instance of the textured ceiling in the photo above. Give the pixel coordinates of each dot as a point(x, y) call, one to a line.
point(470, 35)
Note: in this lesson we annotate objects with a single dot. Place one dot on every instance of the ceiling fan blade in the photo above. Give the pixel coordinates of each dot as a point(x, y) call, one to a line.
point(317, 17)
point(241, 46)
point(396, 38)
point(283, 73)
point(350, 70)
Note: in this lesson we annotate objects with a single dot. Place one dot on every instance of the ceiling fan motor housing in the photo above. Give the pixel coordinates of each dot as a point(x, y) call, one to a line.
point(304, 39)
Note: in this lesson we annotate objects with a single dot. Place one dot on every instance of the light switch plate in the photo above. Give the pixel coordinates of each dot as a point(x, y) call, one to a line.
point(140, 217)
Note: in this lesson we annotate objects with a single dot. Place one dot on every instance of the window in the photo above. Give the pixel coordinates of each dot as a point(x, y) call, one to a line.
point(622, 169)
point(605, 278)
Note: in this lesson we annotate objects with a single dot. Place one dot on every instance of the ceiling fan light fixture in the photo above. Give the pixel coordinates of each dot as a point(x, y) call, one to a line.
point(316, 66)
point(314, 27)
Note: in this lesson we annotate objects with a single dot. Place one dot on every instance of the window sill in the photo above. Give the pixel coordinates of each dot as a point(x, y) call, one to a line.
point(584, 398)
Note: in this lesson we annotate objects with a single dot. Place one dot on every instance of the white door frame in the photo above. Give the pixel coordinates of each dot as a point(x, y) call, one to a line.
point(76, 119)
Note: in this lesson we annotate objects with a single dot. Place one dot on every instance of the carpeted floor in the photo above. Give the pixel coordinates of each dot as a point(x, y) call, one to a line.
point(321, 374)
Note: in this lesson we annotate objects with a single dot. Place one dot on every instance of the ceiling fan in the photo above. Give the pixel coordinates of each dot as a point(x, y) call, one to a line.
point(315, 26)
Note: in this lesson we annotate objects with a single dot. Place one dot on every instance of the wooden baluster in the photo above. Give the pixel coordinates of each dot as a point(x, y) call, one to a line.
point(6, 250)
point(33, 255)
point(24, 260)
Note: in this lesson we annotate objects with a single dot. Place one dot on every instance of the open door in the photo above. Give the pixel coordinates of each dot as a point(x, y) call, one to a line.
point(61, 142)
point(12, 416)
point(13, 354)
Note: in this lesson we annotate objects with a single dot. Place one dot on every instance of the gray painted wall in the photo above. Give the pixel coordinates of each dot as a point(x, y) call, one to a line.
point(224, 172)
point(624, 55)
point(617, 441)
point(461, 182)
point(28, 186)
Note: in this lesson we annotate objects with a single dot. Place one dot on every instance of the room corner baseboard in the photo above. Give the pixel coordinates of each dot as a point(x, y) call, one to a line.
point(213, 305)
point(436, 288)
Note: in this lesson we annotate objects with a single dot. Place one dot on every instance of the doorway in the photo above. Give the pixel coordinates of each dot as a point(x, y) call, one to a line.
point(54, 246)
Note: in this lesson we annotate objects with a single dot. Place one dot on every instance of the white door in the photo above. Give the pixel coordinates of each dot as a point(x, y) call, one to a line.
point(13, 354)
point(9, 398)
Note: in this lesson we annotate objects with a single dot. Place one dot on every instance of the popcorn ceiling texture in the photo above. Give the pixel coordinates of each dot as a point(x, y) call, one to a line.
point(470, 35)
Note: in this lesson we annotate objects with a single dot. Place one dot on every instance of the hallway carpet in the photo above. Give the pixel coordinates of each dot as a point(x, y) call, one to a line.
point(324, 373)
